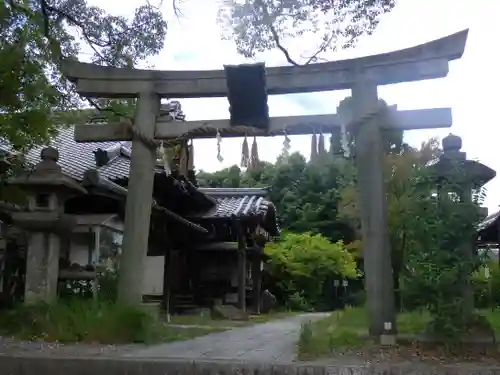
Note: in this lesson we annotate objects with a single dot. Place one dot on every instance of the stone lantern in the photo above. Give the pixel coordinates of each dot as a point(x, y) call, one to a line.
point(471, 175)
point(47, 189)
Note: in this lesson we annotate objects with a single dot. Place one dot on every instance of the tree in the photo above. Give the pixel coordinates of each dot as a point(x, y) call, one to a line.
point(442, 257)
point(262, 25)
point(36, 34)
point(402, 171)
point(302, 263)
point(306, 195)
point(229, 177)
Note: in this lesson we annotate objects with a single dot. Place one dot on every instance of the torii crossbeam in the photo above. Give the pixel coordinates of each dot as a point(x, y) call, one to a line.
point(166, 129)
point(426, 61)
point(361, 75)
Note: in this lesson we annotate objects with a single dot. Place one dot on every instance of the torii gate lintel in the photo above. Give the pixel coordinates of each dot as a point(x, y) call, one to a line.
point(426, 61)
point(166, 129)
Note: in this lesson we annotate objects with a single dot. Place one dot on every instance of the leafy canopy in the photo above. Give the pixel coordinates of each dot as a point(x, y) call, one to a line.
point(262, 25)
point(35, 34)
point(441, 255)
point(310, 255)
point(302, 264)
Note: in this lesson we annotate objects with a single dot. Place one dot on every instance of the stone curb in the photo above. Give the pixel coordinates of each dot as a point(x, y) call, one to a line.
point(41, 365)
point(32, 365)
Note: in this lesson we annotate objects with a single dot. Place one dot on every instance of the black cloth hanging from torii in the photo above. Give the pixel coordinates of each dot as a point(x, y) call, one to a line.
point(247, 95)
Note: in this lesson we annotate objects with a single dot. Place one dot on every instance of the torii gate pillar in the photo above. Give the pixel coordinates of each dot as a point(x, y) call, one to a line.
point(139, 199)
point(379, 284)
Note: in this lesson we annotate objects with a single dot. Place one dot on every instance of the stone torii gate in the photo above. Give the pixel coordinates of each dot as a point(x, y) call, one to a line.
point(361, 75)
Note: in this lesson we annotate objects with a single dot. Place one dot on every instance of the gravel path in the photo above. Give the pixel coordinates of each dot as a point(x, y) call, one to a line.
point(42, 348)
point(272, 341)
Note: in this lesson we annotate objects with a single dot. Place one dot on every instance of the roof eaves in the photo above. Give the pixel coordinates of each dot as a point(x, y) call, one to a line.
point(235, 192)
point(93, 177)
point(489, 220)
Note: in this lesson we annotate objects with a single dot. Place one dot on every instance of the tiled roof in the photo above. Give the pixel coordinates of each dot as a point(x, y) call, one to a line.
point(235, 192)
point(237, 202)
point(75, 158)
point(96, 179)
point(242, 202)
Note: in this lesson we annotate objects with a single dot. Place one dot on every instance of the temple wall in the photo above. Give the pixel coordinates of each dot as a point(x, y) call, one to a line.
point(153, 276)
point(76, 248)
point(79, 253)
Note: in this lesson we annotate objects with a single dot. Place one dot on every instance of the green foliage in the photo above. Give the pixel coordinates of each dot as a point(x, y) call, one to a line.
point(344, 332)
point(305, 194)
point(441, 259)
point(403, 167)
point(302, 263)
point(320, 196)
point(106, 286)
point(262, 25)
point(487, 289)
point(34, 35)
point(77, 320)
point(107, 289)
point(229, 177)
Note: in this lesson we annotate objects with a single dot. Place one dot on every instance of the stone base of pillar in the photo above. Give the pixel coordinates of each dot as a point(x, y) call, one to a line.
point(387, 340)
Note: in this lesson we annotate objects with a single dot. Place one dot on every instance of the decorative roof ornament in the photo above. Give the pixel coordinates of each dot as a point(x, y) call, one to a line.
point(285, 152)
point(219, 141)
point(321, 144)
point(314, 147)
point(245, 158)
point(254, 156)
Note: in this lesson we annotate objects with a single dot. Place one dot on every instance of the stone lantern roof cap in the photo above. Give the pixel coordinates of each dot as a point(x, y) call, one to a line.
point(475, 172)
point(452, 142)
point(48, 173)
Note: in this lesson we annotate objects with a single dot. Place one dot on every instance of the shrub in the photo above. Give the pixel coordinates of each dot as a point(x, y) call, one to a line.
point(301, 264)
point(437, 268)
point(77, 320)
point(106, 284)
point(487, 290)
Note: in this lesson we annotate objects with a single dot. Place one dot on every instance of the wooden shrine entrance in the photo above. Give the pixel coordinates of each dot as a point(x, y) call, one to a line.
point(361, 75)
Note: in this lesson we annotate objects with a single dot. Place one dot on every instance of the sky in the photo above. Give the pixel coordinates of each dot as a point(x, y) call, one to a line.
point(194, 43)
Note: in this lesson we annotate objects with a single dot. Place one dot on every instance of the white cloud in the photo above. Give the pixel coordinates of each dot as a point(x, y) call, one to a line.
point(194, 43)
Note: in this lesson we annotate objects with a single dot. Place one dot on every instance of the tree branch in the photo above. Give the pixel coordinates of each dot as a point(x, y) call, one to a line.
point(277, 40)
point(73, 21)
point(268, 21)
point(177, 9)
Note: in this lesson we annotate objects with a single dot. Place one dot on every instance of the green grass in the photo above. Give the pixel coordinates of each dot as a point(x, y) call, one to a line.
point(346, 330)
point(91, 322)
point(264, 318)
